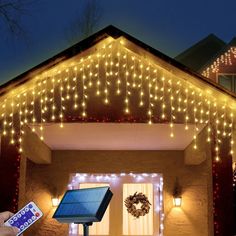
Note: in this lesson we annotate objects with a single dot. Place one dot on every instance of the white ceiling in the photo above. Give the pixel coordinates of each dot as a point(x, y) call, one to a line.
point(113, 136)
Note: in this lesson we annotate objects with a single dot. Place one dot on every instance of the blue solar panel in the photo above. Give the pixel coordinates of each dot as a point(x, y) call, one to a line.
point(79, 209)
point(85, 195)
point(83, 205)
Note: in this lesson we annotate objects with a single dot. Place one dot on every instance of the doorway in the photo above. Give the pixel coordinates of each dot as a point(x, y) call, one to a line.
point(117, 220)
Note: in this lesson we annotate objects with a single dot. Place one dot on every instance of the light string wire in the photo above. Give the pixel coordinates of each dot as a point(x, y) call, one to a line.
point(107, 56)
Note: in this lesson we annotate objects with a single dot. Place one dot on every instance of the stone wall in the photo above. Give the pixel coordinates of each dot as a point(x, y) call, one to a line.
point(193, 218)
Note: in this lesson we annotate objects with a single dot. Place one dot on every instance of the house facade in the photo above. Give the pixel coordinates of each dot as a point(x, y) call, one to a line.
point(112, 111)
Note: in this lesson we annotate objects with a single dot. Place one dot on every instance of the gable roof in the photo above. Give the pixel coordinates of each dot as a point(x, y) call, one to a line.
point(224, 49)
point(199, 54)
point(109, 31)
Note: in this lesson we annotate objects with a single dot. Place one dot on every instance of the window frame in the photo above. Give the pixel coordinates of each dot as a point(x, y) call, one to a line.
point(233, 81)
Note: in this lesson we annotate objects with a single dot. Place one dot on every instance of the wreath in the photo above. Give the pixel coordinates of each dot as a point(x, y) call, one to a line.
point(132, 200)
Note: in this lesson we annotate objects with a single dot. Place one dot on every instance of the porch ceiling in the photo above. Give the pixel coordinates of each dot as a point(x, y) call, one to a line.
point(116, 136)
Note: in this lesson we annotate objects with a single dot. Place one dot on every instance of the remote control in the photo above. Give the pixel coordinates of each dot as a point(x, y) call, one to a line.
point(25, 217)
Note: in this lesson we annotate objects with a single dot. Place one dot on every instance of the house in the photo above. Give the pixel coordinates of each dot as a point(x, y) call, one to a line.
point(214, 59)
point(113, 111)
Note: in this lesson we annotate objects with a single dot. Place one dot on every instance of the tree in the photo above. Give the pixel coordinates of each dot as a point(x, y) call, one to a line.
point(11, 12)
point(86, 21)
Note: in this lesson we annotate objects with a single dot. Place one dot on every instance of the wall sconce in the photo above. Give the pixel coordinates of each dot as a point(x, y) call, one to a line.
point(177, 192)
point(177, 201)
point(55, 201)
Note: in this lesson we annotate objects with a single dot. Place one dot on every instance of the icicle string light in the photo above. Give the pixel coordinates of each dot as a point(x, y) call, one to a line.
point(115, 68)
point(53, 99)
point(33, 110)
point(163, 105)
point(75, 88)
point(186, 108)
point(217, 149)
point(4, 117)
point(118, 82)
point(20, 126)
point(141, 85)
point(156, 85)
point(232, 134)
point(150, 104)
point(133, 72)
point(126, 103)
point(224, 59)
point(68, 84)
point(171, 110)
point(209, 121)
point(195, 119)
point(84, 96)
point(41, 110)
point(12, 122)
point(61, 100)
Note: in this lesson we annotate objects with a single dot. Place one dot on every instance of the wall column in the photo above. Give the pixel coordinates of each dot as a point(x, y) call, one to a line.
point(222, 190)
point(9, 176)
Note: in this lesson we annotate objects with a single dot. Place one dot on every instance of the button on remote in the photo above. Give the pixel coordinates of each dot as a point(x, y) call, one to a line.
point(37, 214)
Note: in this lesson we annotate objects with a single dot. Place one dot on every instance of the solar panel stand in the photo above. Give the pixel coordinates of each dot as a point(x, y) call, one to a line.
point(86, 227)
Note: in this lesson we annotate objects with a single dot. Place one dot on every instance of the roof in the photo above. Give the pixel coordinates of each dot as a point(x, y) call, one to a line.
point(224, 49)
point(92, 40)
point(200, 53)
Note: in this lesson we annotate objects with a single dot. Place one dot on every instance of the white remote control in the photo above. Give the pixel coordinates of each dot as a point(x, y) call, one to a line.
point(25, 217)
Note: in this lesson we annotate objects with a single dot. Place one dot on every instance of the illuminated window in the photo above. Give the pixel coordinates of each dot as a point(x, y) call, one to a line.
point(101, 228)
point(228, 81)
point(142, 225)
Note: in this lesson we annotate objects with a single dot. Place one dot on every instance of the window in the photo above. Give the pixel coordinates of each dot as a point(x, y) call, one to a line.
point(228, 81)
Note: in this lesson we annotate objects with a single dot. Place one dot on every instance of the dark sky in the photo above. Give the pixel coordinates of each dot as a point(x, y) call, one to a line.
point(167, 25)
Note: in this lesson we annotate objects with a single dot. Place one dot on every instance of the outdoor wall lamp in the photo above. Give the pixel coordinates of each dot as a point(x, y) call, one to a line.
point(177, 201)
point(177, 194)
point(55, 201)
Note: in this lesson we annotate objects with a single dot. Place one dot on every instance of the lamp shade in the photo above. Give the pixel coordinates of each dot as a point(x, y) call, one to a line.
point(177, 201)
point(55, 201)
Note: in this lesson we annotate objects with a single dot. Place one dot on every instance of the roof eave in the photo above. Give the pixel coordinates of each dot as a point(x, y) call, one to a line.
point(95, 38)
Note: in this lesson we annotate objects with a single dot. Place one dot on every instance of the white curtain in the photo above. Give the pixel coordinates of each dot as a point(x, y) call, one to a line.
point(144, 224)
point(100, 228)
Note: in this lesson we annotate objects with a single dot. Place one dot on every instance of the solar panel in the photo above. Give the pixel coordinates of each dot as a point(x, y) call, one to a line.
point(83, 205)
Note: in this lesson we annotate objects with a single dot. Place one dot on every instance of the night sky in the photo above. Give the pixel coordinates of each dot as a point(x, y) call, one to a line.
point(167, 25)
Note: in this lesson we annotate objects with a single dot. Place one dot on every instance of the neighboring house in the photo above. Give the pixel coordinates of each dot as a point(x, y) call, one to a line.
point(198, 55)
point(214, 59)
point(113, 111)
